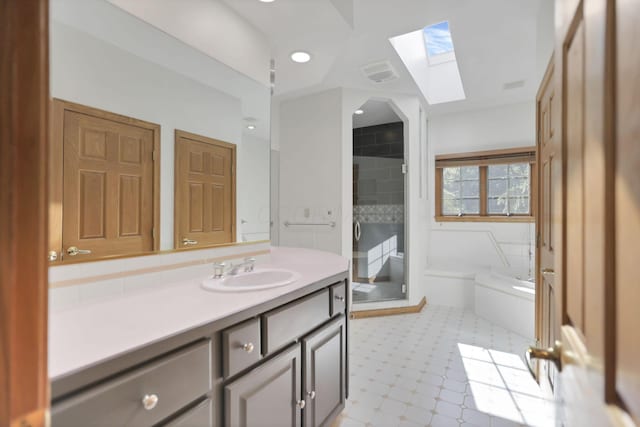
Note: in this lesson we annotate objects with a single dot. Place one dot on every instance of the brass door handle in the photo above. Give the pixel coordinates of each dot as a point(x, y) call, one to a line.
point(73, 251)
point(548, 272)
point(554, 354)
point(189, 242)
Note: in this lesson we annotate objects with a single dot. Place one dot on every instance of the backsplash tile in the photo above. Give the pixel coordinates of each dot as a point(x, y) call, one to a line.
point(378, 214)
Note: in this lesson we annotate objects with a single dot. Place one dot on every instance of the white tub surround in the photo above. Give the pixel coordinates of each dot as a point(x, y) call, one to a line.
point(450, 287)
point(501, 299)
point(506, 301)
point(86, 334)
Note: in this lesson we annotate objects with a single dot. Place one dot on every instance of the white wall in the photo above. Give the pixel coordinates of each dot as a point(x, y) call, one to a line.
point(311, 151)
point(253, 181)
point(212, 27)
point(545, 37)
point(468, 247)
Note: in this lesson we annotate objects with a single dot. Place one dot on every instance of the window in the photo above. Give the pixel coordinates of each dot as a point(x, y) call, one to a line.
point(508, 188)
point(486, 186)
point(461, 190)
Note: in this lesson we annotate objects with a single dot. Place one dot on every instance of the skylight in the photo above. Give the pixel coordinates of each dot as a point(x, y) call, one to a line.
point(437, 38)
point(430, 58)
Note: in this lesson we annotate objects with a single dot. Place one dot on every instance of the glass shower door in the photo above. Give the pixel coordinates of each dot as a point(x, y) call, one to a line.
point(378, 229)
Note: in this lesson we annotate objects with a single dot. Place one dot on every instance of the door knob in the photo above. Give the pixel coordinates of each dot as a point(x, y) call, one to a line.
point(189, 242)
point(248, 347)
point(548, 272)
point(311, 394)
point(73, 251)
point(301, 404)
point(554, 354)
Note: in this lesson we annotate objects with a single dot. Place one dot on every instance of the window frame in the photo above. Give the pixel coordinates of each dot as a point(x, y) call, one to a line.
point(483, 159)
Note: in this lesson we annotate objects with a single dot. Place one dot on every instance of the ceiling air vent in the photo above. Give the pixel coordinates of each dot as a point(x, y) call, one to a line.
point(380, 72)
point(513, 85)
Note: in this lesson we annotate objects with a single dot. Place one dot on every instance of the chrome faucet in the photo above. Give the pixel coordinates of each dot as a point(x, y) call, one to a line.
point(220, 268)
point(248, 264)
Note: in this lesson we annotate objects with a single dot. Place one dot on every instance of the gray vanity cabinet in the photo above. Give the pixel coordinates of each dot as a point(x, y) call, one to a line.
point(324, 373)
point(268, 396)
point(280, 364)
point(144, 396)
point(200, 416)
point(307, 380)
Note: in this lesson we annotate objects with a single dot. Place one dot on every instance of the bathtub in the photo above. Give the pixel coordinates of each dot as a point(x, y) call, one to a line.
point(506, 301)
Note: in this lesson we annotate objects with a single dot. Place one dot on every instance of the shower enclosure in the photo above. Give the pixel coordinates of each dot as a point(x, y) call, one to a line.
point(378, 213)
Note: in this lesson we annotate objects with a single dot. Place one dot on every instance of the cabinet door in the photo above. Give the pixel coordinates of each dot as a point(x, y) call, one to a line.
point(324, 373)
point(268, 396)
point(200, 416)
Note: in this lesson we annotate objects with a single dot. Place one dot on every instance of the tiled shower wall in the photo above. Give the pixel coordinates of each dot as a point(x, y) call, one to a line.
point(378, 152)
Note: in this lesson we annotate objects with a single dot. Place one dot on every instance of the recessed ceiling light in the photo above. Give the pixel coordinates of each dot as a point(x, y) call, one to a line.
point(267, 1)
point(358, 112)
point(251, 127)
point(300, 56)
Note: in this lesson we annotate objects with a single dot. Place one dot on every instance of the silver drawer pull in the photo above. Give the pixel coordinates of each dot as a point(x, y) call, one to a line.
point(248, 347)
point(301, 404)
point(150, 401)
point(311, 394)
point(339, 298)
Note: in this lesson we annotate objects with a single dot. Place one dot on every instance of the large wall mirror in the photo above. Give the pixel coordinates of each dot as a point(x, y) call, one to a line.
point(156, 145)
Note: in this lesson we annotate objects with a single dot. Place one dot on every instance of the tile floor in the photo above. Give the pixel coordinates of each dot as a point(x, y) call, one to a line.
point(377, 291)
point(441, 367)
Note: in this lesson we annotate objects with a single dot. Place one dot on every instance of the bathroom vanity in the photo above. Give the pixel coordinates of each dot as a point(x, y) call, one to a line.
point(185, 356)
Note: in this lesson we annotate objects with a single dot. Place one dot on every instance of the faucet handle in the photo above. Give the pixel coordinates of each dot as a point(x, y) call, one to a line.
point(250, 263)
point(218, 269)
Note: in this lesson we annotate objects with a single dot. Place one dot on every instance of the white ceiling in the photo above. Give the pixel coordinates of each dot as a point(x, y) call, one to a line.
point(375, 113)
point(495, 43)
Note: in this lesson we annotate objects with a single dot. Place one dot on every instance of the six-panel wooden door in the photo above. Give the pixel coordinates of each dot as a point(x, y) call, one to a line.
point(205, 191)
point(104, 184)
point(595, 212)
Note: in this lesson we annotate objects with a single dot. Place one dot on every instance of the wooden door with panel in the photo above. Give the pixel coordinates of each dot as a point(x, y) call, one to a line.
point(205, 191)
point(24, 121)
point(545, 298)
point(626, 179)
point(104, 184)
point(590, 254)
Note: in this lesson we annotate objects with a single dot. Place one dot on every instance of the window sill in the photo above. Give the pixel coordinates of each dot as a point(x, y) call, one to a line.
point(477, 218)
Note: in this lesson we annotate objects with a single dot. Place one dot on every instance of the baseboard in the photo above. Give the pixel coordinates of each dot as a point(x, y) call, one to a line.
point(362, 314)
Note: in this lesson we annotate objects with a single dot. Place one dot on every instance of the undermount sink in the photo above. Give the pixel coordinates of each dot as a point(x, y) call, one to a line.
point(258, 279)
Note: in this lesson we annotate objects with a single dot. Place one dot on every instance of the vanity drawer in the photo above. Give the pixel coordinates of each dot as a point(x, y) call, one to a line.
point(200, 416)
point(288, 323)
point(240, 347)
point(338, 298)
point(176, 380)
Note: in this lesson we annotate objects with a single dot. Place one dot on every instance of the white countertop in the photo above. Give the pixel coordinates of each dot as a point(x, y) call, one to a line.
point(83, 336)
